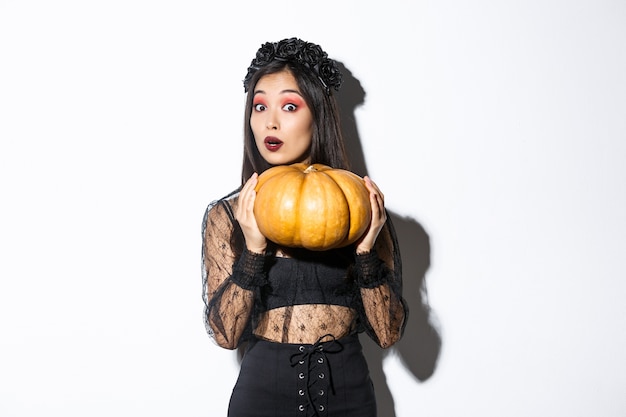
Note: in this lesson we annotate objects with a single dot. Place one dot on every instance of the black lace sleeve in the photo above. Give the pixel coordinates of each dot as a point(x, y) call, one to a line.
point(231, 275)
point(378, 274)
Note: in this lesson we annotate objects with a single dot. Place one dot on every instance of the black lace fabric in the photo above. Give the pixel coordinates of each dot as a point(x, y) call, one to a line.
point(234, 280)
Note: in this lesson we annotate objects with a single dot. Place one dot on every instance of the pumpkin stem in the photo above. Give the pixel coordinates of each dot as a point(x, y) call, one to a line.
point(310, 168)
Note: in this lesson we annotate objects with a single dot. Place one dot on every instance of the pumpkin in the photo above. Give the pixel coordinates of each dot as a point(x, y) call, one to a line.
point(315, 207)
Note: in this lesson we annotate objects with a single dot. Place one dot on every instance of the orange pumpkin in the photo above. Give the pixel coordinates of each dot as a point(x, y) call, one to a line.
point(311, 206)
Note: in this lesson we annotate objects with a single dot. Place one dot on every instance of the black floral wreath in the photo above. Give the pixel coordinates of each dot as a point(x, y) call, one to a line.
point(305, 53)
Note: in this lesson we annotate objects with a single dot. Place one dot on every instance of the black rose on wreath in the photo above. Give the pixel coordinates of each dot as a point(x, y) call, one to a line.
point(312, 53)
point(330, 74)
point(265, 54)
point(289, 49)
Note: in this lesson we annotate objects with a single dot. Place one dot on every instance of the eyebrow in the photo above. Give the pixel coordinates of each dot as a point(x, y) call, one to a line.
point(281, 92)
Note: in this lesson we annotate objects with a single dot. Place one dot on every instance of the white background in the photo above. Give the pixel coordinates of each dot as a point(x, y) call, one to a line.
point(496, 130)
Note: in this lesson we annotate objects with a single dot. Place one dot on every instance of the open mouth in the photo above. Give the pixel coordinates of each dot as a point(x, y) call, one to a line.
point(272, 143)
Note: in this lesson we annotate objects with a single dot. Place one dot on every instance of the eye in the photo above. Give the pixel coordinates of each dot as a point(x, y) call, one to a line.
point(290, 107)
point(259, 107)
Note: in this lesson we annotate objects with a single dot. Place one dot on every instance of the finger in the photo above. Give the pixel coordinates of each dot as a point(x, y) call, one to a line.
point(375, 208)
point(246, 198)
point(372, 187)
point(248, 189)
point(250, 183)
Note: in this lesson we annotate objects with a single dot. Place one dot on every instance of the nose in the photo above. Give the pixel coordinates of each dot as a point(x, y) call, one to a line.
point(272, 121)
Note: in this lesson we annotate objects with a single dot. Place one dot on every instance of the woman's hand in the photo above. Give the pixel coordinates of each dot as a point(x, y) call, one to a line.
point(379, 217)
point(244, 213)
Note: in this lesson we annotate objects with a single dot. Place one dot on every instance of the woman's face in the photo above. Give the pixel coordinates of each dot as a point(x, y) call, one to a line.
point(281, 121)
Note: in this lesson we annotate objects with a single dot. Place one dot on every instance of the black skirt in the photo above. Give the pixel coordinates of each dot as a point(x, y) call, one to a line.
point(327, 379)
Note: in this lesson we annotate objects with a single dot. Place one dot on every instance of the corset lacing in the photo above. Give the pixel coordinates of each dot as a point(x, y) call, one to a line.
point(312, 356)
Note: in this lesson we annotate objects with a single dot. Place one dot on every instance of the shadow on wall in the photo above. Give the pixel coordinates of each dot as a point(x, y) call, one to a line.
point(421, 344)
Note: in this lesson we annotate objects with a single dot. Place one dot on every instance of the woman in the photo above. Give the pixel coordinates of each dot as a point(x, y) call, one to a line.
point(299, 311)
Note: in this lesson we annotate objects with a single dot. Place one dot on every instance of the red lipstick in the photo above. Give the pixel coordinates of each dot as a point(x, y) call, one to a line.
point(272, 143)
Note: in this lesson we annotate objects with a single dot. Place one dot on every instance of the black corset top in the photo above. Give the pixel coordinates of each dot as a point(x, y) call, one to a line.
point(310, 278)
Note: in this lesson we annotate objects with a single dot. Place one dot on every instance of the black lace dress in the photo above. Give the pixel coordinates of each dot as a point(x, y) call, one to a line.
point(299, 313)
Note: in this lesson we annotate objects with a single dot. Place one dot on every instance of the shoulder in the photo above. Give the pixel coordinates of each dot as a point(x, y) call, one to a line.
point(222, 207)
point(230, 199)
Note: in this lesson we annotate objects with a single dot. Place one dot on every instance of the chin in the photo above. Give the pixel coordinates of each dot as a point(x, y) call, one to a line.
point(278, 160)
